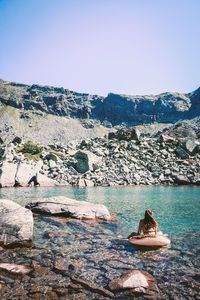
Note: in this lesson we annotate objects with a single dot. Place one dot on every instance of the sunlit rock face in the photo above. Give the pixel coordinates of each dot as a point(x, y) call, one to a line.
point(69, 208)
point(32, 111)
point(16, 224)
point(136, 280)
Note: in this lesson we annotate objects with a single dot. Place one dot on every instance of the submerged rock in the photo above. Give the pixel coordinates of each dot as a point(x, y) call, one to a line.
point(136, 280)
point(16, 224)
point(90, 286)
point(69, 208)
point(14, 269)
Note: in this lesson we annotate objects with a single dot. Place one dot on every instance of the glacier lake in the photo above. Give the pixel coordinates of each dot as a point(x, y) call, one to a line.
point(99, 251)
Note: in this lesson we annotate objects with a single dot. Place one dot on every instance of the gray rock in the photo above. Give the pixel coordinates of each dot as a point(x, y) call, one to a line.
point(181, 179)
point(51, 156)
point(8, 174)
point(89, 183)
point(86, 161)
point(26, 172)
point(190, 146)
point(17, 140)
point(2, 151)
point(167, 172)
point(70, 208)
point(181, 153)
point(126, 134)
point(81, 183)
point(52, 164)
point(16, 224)
point(166, 139)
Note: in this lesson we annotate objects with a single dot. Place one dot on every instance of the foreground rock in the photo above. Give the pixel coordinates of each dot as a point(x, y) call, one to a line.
point(69, 208)
point(14, 269)
point(91, 286)
point(135, 280)
point(16, 224)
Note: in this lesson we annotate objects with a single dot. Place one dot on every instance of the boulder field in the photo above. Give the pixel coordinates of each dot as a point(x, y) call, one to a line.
point(123, 157)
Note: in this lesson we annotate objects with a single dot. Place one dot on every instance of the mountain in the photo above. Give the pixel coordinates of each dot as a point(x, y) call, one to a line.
point(51, 114)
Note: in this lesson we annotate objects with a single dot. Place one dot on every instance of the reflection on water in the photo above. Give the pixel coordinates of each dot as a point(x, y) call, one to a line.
point(98, 247)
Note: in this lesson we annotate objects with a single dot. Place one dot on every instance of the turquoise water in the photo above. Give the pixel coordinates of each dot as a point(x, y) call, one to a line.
point(98, 249)
point(176, 209)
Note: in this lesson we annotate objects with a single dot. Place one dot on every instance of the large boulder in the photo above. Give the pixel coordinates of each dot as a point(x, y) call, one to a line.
point(26, 171)
point(13, 174)
point(86, 161)
point(190, 145)
point(16, 224)
point(166, 139)
point(30, 173)
point(67, 207)
point(135, 280)
point(7, 174)
point(181, 179)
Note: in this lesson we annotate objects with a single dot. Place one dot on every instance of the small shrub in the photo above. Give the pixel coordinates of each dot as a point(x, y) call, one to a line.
point(33, 157)
point(31, 148)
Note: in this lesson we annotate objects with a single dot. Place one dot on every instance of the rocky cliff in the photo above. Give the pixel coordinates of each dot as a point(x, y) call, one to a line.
point(33, 111)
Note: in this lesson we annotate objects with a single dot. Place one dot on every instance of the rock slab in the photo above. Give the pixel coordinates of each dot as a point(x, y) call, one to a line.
point(67, 207)
point(14, 269)
point(16, 224)
point(136, 280)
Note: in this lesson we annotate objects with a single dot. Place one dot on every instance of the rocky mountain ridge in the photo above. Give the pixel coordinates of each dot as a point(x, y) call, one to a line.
point(113, 109)
point(33, 111)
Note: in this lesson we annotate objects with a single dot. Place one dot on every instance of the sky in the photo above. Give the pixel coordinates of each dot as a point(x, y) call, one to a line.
point(133, 47)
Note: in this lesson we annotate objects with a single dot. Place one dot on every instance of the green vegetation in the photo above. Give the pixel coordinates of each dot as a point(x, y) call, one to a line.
point(30, 150)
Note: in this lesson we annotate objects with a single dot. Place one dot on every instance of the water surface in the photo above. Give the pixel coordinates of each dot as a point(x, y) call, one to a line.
point(102, 254)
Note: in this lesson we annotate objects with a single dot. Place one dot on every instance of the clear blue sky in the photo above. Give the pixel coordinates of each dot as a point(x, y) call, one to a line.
point(101, 46)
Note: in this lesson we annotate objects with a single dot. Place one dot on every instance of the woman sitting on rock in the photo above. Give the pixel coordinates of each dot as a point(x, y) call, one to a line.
point(147, 226)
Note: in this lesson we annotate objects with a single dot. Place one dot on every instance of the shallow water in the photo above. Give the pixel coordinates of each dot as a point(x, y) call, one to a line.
point(101, 254)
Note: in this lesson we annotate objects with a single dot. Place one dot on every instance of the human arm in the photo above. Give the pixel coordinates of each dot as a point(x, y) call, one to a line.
point(156, 227)
point(140, 227)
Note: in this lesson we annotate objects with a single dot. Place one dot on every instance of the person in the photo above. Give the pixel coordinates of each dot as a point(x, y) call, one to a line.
point(147, 226)
point(34, 179)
